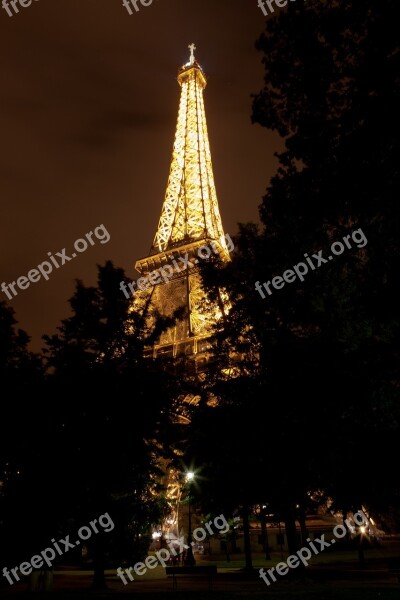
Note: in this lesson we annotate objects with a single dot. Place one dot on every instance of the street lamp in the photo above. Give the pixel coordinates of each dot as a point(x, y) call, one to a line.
point(189, 560)
point(264, 530)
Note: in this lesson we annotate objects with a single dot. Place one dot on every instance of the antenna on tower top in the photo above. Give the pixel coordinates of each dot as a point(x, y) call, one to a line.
point(192, 48)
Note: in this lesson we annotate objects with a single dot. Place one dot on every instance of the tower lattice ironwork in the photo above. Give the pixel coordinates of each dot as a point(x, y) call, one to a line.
point(190, 219)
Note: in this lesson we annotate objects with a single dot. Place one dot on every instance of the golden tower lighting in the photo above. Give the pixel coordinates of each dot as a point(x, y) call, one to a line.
point(190, 218)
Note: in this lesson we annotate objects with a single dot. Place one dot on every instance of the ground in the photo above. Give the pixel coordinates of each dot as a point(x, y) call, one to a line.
point(330, 576)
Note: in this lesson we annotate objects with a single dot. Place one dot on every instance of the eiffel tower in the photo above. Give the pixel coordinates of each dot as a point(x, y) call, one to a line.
point(190, 224)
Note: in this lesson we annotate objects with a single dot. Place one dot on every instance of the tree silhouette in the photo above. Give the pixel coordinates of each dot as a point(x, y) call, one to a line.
point(307, 379)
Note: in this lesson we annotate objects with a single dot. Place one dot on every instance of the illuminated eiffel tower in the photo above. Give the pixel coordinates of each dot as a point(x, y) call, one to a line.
point(190, 228)
point(190, 224)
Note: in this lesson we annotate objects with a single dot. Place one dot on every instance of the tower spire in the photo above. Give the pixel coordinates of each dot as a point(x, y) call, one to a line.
point(192, 48)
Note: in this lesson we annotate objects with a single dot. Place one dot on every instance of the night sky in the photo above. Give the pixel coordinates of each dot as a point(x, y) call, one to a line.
point(88, 109)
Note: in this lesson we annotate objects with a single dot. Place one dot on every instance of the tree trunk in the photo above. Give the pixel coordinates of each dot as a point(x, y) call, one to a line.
point(291, 530)
point(228, 558)
point(99, 580)
point(234, 548)
point(246, 535)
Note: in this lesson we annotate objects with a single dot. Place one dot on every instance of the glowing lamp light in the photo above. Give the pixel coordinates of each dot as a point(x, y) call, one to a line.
point(190, 476)
point(363, 529)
